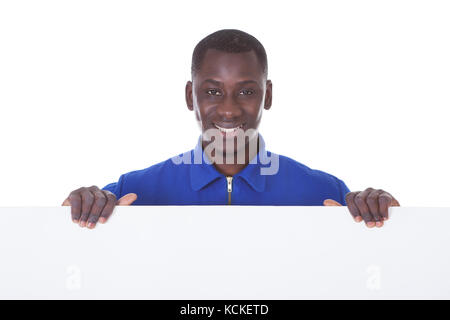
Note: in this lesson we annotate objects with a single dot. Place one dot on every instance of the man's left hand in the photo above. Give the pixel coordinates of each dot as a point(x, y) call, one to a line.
point(370, 205)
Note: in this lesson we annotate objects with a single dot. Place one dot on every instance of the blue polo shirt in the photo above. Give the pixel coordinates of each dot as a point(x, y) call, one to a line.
point(182, 180)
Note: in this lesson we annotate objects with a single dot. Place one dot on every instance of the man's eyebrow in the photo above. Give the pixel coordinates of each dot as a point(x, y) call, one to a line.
point(218, 83)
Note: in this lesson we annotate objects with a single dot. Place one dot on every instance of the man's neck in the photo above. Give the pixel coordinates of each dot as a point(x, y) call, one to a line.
point(229, 169)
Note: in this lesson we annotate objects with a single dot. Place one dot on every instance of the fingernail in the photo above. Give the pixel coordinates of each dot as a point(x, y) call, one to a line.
point(379, 224)
point(102, 220)
point(358, 219)
point(75, 221)
point(370, 224)
point(82, 223)
point(91, 225)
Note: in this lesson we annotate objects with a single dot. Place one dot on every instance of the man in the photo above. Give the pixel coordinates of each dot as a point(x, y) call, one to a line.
point(230, 165)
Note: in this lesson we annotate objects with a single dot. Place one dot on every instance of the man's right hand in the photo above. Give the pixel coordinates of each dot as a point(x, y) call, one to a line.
point(92, 205)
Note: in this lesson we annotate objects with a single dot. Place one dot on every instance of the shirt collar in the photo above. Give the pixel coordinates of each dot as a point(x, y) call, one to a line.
point(203, 171)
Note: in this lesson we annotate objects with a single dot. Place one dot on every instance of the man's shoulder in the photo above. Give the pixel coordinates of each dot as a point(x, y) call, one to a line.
point(312, 184)
point(292, 167)
point(167, 166)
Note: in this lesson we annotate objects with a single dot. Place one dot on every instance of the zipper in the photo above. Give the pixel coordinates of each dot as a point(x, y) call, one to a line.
point(229, 188)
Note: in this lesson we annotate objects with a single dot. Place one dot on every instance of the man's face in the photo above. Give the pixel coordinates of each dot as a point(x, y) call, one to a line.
point(229, 91)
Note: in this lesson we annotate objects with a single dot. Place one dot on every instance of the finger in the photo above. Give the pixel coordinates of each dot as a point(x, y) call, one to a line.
point(372, 203)
point(127, 199)
point(75, 204)
point(385, 201)
point(360, 201)
point(354, 211)
point(331, 203)
point(74, 200)
point(87, 200)
point(109, 207)
point(97, 207)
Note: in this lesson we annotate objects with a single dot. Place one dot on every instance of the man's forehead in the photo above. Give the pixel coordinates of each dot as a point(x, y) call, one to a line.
point(218, 82)
point(215, 58)
point(225, 67)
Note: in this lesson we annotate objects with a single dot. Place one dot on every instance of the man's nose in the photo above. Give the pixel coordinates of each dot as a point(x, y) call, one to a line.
point(229, 108)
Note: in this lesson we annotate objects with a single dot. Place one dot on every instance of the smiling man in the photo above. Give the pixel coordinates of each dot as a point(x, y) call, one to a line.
point(229, 165)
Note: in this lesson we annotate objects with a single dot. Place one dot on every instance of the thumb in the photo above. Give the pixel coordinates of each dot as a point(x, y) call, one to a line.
point(66, 202)
point(331, 203)
point(395, 203)
point(127, 199)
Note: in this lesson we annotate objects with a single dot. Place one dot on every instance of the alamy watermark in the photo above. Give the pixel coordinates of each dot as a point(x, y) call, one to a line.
point(73, 278)
point(373, 281)
point(238, 144)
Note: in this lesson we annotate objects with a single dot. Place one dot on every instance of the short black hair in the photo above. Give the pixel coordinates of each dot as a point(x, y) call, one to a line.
point(231, 41)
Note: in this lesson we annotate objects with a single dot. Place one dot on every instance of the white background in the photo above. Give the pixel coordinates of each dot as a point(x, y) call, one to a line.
point(89, 89)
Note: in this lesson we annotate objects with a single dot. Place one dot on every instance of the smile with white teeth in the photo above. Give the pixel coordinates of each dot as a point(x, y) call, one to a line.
point(228, 130)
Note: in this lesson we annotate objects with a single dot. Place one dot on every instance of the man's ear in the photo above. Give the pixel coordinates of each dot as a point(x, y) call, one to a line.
point(268, 98)
point(189, 100)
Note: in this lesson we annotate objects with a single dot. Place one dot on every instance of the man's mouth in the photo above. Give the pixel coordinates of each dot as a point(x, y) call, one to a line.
point(229, 130)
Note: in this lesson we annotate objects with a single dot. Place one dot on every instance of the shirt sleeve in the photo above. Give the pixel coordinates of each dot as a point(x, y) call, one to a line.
point(343, 190)
point(115, 187)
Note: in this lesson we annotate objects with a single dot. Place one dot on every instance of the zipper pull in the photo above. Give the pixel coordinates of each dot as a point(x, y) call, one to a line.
point(230, 184)
point(229, 188)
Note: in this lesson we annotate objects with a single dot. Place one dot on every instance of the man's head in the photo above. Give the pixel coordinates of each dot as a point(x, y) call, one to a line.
point(229, 86)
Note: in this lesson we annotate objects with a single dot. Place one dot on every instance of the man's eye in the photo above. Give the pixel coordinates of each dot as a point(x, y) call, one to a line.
point(247, 92)
point(213, 92)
